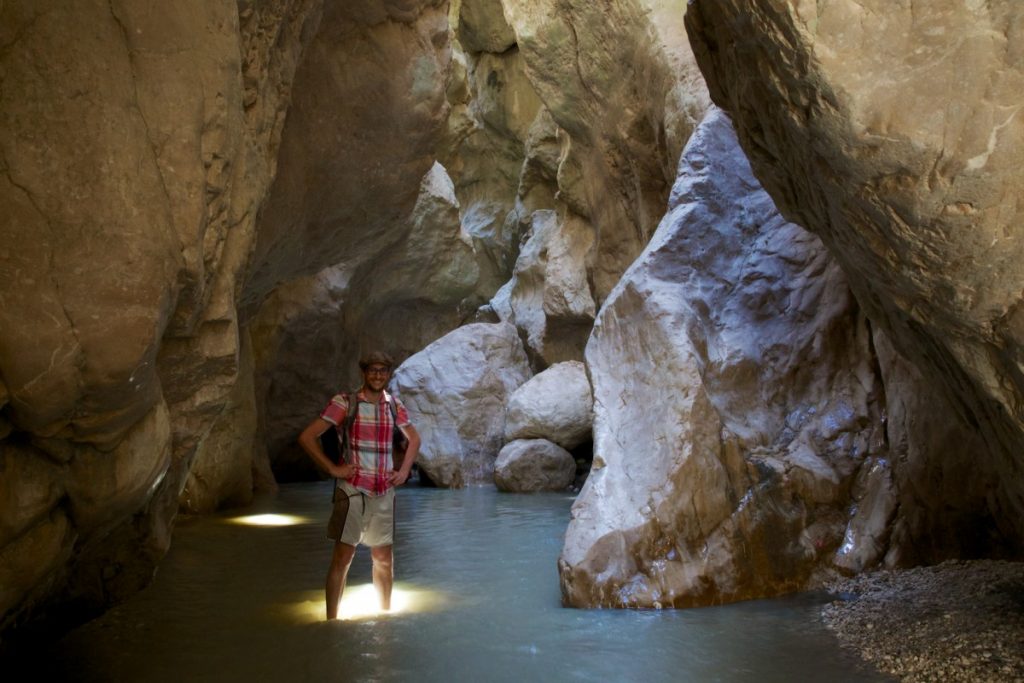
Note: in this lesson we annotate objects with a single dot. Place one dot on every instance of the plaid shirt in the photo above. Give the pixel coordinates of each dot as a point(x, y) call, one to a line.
point(369, 438)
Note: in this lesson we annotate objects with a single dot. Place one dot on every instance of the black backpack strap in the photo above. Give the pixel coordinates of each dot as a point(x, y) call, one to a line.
point(350, 419)
point(335, 442)
point(399, 442)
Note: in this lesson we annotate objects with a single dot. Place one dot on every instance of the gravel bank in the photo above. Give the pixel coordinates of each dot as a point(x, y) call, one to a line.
point(957, 621)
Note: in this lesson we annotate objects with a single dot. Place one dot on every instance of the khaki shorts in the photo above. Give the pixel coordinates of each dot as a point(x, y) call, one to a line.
point(360, 518)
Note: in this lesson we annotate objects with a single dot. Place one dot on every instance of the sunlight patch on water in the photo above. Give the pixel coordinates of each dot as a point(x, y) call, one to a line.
point(360, 602)
point(269, 520)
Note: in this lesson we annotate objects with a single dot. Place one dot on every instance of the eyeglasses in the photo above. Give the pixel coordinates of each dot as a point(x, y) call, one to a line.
point(377, 371)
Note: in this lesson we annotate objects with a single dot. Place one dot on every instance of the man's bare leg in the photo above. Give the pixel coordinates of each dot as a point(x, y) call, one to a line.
point(341, 560)
point(383, 574)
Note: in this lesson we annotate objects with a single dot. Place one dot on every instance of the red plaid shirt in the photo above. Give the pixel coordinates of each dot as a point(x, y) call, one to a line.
point(369, 438)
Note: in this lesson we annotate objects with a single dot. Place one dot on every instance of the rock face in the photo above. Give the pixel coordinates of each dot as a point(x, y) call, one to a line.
point(624, 91)
point(527, 465)
point(370, 91)
point(555, 405)
point(555, 138)
point(143, 152)
point(735, 403)
point(135, 157)
point(310, 332)
point(550, 297)
point(456, 390)
point(892, 132)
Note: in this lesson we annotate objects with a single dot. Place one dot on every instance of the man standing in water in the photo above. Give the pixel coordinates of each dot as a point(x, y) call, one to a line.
point(364, 497)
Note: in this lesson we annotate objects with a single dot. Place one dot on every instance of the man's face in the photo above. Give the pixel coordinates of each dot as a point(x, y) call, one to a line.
point(376, 376)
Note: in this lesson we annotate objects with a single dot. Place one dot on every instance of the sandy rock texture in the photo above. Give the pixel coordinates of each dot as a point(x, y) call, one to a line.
point(957, 621)
point(892, 131)
point(563, 142)
point(368, 105)
point(735, 403)
point(134, 159)
point(456, 390)
point(555, 405)
point(620, 82)
point(527, 465)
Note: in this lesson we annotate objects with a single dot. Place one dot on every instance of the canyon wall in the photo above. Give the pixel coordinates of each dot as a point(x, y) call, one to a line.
point(891, 130)
point(142, 225)
point(753, 434)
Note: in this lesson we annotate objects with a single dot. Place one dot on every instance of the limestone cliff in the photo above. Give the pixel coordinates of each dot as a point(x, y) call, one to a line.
point(892, 131)
point(141, 214)
point(621, 95)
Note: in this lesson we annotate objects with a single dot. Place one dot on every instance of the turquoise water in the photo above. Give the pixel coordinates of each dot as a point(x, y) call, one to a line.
point(478, 571)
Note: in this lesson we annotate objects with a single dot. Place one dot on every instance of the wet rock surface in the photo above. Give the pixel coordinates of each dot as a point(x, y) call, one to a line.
point(134, 160)
point(956, 621)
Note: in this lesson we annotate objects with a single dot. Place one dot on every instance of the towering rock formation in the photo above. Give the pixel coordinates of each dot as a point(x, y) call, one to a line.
point(892, 131)
point(735, 403)
point(508, 198)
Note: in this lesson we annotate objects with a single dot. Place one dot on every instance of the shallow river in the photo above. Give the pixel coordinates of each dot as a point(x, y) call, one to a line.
point(476, 570)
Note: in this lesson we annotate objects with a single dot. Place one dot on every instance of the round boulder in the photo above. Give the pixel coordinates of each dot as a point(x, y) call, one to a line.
point(555, 404)
point(527, 465)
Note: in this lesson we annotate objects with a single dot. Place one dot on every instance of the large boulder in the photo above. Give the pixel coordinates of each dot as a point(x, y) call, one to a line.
point(528, 465)
point(456, 390)
point(555, 405)
point(735, 404)
point(892, 131)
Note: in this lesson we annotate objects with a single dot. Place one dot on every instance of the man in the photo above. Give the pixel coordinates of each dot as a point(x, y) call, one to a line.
point(364, 497)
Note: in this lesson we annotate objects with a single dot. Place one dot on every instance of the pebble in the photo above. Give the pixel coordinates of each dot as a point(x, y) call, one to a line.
point(956, 621)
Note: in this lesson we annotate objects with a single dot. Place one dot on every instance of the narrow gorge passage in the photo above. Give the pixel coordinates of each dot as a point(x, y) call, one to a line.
point(741, 276)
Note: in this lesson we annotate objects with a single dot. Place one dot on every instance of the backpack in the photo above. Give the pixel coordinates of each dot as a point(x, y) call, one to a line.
point(336, 448)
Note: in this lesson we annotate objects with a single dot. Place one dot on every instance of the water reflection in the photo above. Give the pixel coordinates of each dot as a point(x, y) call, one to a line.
point(361, 602)
point(234, 602)
point(268, 520)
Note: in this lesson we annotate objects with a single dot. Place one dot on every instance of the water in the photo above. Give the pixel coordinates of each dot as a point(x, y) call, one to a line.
point(235, 602)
